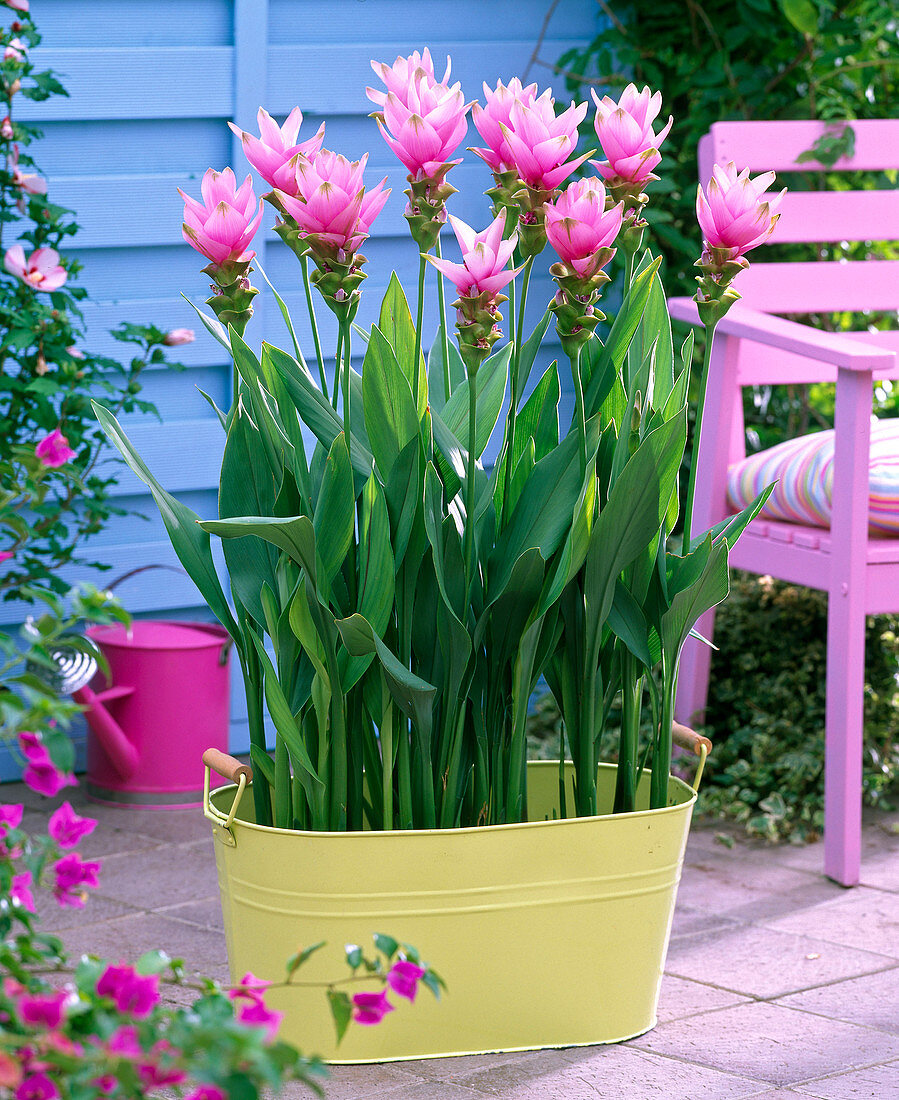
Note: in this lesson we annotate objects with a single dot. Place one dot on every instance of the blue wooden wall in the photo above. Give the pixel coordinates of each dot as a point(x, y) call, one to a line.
point(152, 85)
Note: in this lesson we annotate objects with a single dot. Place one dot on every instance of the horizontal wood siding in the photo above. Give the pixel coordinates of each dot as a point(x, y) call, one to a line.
point(152, 85)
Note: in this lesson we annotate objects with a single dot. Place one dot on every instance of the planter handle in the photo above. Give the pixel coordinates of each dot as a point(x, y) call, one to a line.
point(695, 743)
point(238, 773)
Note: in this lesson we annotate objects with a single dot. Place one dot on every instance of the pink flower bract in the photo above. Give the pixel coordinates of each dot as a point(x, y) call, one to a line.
point(134, 994)
point(330, 203)
point(41, 270)
point(421, 119)
point(494, 115)
point(403, 978)
point(370, 1008)
point(274, 149)
point(625, 132)
point(256, 1014)
point(223, 225)
point(735, 213)
point(578, 225)
point(484, 259)
point(21, 891)
point(54, 450)
point(539, 141)
point(67, 828)
point(11, 815)
point(42, 1010)
point(72, 874)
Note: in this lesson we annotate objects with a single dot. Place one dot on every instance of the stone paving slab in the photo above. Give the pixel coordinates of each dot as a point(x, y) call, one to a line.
point(770, 1043)
point(863, 918)
point(875, 1083)
point(872, 1000)
point(762, 962)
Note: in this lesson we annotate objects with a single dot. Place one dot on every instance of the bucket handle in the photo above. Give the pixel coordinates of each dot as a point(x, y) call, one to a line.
point(695, 743)
point(230, 768)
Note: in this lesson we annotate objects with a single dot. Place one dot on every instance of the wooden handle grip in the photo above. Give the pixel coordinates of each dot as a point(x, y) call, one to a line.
point(226, 765)
point(689, 739)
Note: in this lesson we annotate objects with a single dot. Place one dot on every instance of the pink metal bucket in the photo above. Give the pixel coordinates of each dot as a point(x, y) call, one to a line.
point(167, 701)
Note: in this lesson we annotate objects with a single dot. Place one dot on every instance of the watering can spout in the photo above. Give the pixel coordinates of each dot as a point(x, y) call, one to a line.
point(121, 752)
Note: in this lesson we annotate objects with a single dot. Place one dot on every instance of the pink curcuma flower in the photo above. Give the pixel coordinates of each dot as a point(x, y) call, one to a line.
point(134, 994)
point(274, 149)
point(421, 119)
point(484, 259)
point(223, 225)
point(72, 874)
point(370, 1008)
point(625, 133)
point(42, 1010)
point(54, 450)
point(67, 828)
point(179, 336)
point(20, 891)
point(578, 226)
point(330, 204)
point(539, 142)
point(735, 213)
point(494, 115)
point(41, 271)
point(403, 978)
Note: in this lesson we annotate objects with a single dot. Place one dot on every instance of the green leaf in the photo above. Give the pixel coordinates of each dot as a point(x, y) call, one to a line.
point(391, 419)
point(353, 955)
point(295, 535)
point(152, 962)
point(285, 313)
point(396, 324)
point(377, 572)
point(212, 325)
point(802, 14)
point(189, 541)
point(387, 945)
point(218, 412)
point(529, 351)
point(296, 961)
point(435, 370)
point(690, 601)
point(247, 488)
point(262, 762)
point(627, 621)
point(334, 518)
point(490, 386)
point(341, 1011)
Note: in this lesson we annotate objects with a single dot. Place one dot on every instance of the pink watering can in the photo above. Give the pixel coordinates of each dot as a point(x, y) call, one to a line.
point(166, 702)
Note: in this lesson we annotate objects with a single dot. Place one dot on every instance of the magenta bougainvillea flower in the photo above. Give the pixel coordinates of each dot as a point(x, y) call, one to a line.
point(20, 891)
point(274, 149)
point(41, 270)
point(54, 450)
point(256, 1014)
point(134, 994)
point(578, 226)
point(484, 259)
point(71, 875)
point(370, 1008)
point(421, 119)
point(403, 978)
point(42, 1009)
point(68, 828)
point(330, 203)
point(223, 225)
point(41, 774)
point(734, 213)
point(11, 815)
point(625, 133)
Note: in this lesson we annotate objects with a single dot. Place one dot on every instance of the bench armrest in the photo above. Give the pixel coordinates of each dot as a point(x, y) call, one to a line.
point(777, 332)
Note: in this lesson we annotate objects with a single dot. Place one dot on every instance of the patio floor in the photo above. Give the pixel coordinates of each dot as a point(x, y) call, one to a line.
point(778, 983)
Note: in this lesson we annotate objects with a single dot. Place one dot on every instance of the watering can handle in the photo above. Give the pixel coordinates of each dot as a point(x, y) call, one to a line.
point(695, 743)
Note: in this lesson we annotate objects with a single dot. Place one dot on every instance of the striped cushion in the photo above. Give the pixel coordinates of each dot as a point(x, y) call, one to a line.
point(803, 470)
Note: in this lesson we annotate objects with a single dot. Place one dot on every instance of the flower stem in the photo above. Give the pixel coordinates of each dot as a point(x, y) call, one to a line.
point(580, 414)
point(318, 347)
point(422, 264)
point(335, 398)
point(441, 302)
point(470, 545)
point(697, 429)
point(514, 388)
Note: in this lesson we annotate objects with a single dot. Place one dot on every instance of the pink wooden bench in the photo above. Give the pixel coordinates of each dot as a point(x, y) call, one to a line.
point(859, 572)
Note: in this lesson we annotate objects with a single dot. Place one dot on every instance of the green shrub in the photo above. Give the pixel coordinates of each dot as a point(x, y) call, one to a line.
point(766, 710)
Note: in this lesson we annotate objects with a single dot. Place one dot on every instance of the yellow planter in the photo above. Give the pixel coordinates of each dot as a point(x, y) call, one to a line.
point(551, 933)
